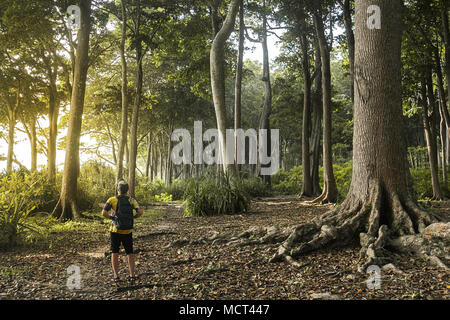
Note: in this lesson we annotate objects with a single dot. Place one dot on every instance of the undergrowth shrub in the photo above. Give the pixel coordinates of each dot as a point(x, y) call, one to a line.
point(209, 196)
point(288, 181)
point(255, 187)
point(96, 184)
point(20, 195)
point(422, 182)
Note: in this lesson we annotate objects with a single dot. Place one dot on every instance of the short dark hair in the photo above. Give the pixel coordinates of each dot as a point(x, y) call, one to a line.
point(122, 186)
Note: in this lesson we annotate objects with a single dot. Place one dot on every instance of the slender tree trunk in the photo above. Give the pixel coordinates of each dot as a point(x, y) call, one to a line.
point(149, 156)
point(264, 122)
point(218, 75)
point(329, 193)
point(445, 118)
point(124, 121)
point(443, 136)
point(307, 183)
point(11, 128)
point(346, 8)
point(33, 143)
point(316, 124)
point(67, 206)
point(238, 83)
point(135, 110)
point(446, 38)
point(169, 163)
point(429, 114)
point(53, 126)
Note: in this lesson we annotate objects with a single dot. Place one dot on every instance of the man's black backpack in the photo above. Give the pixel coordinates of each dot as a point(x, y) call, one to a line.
point(124, 213)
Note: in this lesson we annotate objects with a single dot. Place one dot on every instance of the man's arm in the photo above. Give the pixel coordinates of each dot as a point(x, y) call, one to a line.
point(139, 213)
point(106, 214)
point(105, 211)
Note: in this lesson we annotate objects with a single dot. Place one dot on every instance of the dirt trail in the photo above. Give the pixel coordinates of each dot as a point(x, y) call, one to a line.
point(218, 271)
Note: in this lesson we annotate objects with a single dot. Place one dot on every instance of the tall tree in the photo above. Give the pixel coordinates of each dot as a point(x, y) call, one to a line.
point(67, 206)
point(380, 203)
point(217, 70)
point(124, 117)
point(307, 182)
point(238, 81)
point(329, 193)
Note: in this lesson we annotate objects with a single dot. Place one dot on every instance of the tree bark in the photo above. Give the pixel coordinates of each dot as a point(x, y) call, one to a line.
point(124, 115)
point(67, 206)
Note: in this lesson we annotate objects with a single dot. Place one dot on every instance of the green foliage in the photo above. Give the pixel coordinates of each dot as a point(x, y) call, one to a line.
point(255, 187)
point(158, 191)
point(288, 181)
point(20, 196)
point(422, 182)
point(95, 185)
point(343, 177)
point(207, 196)
point(163, 197)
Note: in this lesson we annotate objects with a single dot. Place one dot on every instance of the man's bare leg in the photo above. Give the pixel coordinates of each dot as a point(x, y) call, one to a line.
point(130, 258)
point(115, 264)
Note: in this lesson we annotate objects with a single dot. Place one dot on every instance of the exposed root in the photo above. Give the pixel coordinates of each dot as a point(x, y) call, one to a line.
point(376, 222)
point(254, 235)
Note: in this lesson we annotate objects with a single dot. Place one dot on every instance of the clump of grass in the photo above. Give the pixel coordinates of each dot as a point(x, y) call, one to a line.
point(214, 196)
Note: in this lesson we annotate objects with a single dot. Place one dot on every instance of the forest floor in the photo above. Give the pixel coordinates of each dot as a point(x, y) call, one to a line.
point(206, 271)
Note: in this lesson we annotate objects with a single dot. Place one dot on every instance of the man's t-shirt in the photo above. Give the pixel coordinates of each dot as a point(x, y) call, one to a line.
point(112, 204)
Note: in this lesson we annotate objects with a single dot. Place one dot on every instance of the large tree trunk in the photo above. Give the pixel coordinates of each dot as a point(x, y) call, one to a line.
point(67, 206)
point(124, 119)
point(218, 75)
point(380, 203)
point(329, 193)
point(238, 83)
